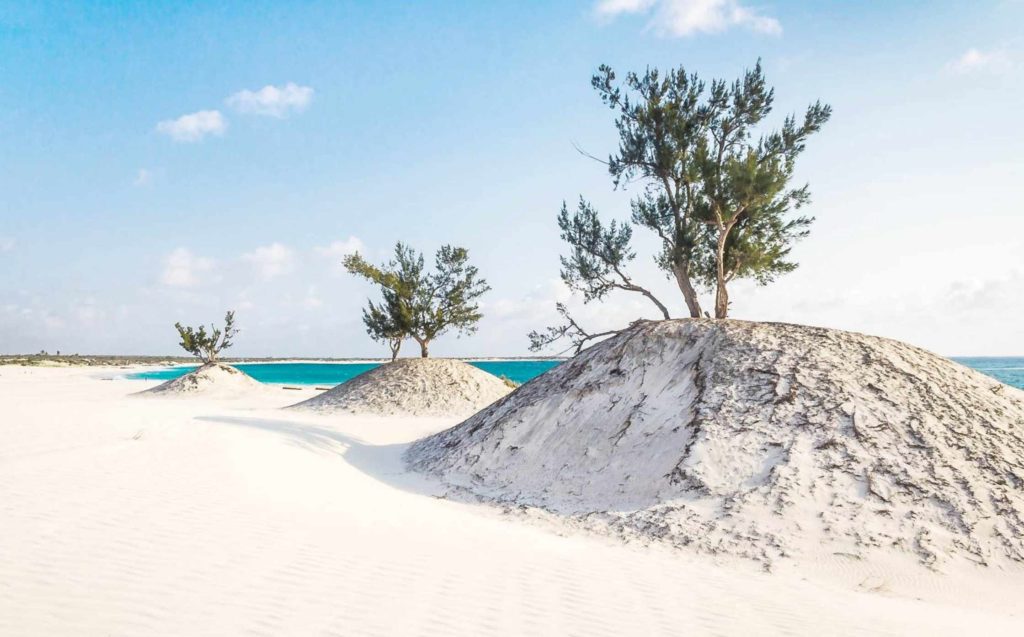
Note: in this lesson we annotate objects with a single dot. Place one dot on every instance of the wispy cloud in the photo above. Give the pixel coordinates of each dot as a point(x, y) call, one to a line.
point(975, 60)
point(340, 248)
point(683, 18)
point(336, 251)
point(272, 260)
point(6, 244)
point(272, 101)
point(612, 8)
point(997, 293)
point(194, 127)
point(182, 269)
point(143, 178)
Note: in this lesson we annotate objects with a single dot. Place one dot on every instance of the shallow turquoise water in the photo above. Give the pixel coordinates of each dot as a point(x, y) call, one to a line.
point(1009, 370)
point(336, 373)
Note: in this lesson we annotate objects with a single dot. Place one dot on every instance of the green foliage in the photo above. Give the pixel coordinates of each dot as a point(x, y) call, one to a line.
point(418, 304)
point(715, 196)
point(204, 345)
point(598, 255)
point(508, 381)
point(382, 324)
point(715, 186)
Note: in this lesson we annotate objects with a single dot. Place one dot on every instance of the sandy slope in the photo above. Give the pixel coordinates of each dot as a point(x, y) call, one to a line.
point(764, 440)
point(121, 516)
point(210, 380)
point(413, 387)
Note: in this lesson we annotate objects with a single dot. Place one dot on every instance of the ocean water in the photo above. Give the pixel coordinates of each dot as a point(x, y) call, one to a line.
point(325, 374)
point(1007, 370)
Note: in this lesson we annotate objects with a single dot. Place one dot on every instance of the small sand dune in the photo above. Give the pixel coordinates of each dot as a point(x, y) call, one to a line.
point(212, 380)
point(413, 387)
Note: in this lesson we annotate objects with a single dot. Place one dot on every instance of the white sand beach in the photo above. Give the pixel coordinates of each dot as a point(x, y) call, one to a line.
point(122, 515)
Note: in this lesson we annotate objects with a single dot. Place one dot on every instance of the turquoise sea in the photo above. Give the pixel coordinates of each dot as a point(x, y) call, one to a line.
point(1007, 370)
point(324, 374)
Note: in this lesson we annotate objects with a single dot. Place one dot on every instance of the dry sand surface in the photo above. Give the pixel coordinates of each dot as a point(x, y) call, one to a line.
point(211, 380)
point(127, 516)
point(768, 441)
point(413, 387)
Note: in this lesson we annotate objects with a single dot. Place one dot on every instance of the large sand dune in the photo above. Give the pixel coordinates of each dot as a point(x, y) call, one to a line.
point(763, 440)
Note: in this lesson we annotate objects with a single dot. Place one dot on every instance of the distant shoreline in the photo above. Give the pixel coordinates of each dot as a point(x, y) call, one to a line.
point(51, 360)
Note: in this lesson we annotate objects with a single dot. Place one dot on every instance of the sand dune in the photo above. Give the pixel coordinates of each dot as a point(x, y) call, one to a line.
point(763, 440)
point(211, 380)
point(206, 517)
point(413, 387)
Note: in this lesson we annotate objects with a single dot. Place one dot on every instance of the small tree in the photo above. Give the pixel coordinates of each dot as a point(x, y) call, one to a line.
point(383, 325)
point(418, 304)
point(204, 345)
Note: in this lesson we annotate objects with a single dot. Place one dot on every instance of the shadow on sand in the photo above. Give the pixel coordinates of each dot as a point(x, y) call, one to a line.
point(380, 462)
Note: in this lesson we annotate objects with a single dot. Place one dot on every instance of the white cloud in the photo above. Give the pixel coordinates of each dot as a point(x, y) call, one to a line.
point(6, 244)
point(340, 248)
point(990, 295)
point(194, 127)
point(337, 250)
point(612, 8)
point(688, 17)
point(271, 260)
point(974, 60)
point(182, 269)
point(143, 178)
point(274, 101)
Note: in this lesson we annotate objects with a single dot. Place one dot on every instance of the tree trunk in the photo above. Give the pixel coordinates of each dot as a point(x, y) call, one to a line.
point(682, 275)
point(721, 294)
point(721, 302)
point(424, 349)
point(395, 344)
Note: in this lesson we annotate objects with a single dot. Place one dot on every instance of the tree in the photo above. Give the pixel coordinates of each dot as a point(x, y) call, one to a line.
point(717, 199)
point(208, 346)
point(743, 186)
point(419, 304)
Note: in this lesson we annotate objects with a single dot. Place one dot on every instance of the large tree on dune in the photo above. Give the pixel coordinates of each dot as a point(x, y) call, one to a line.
point(418, 304)
point(714, 188)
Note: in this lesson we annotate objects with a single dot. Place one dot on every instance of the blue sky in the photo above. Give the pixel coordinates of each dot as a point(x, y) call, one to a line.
point(122, 210)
